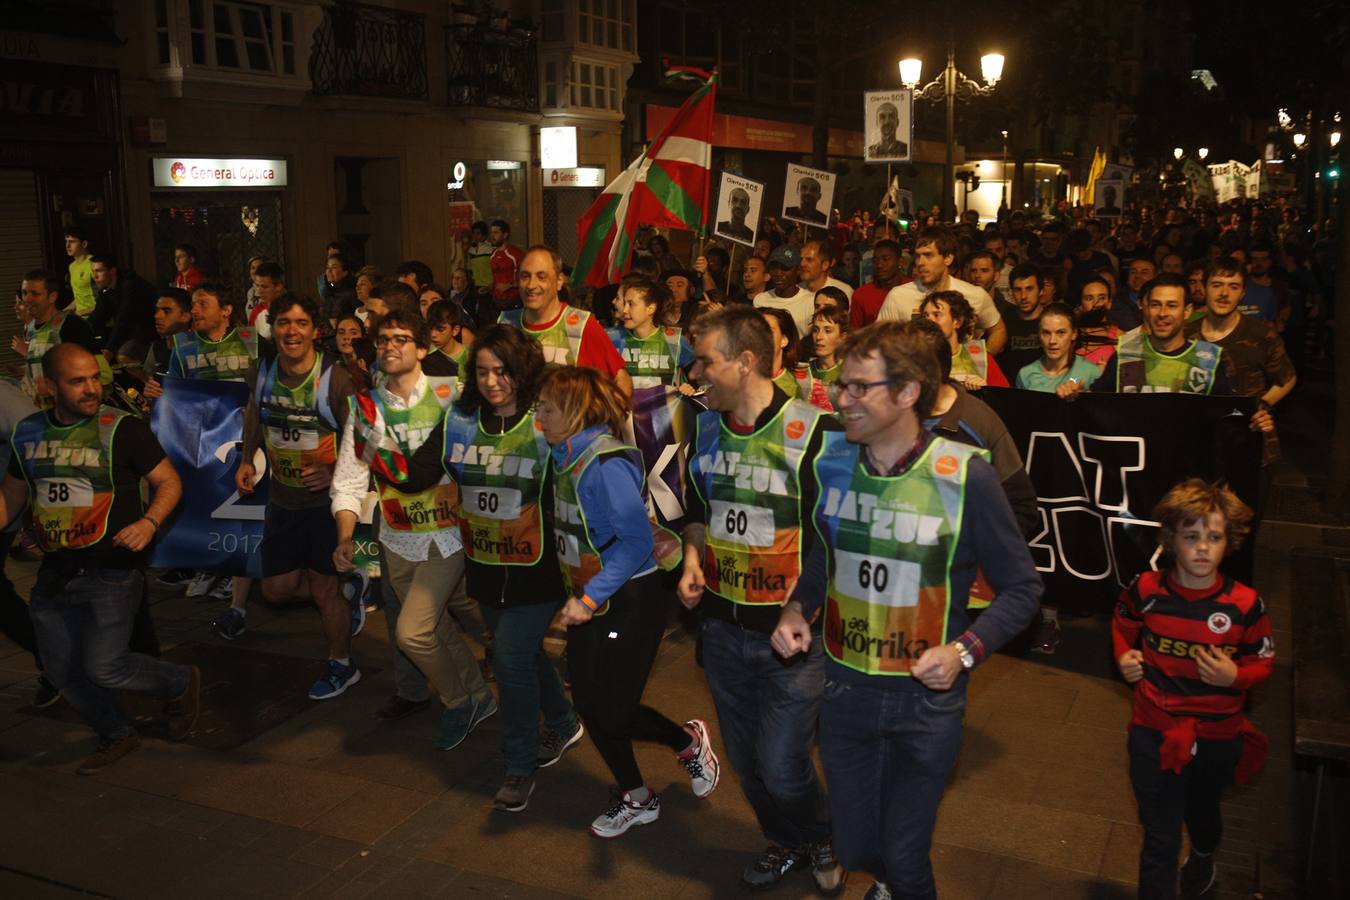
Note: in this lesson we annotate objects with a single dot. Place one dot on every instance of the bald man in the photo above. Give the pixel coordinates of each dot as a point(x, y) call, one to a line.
point(81, 464)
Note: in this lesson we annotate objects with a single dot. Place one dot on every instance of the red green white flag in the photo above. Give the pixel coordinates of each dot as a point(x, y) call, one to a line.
point(667, 186)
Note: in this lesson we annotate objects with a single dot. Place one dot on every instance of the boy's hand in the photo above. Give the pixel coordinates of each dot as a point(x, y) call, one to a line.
point(1215, 667)
point(1131, 665)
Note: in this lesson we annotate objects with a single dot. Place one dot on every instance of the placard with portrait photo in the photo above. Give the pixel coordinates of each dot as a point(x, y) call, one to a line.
point(808, 196)
point(738, 207)
point(888, 126)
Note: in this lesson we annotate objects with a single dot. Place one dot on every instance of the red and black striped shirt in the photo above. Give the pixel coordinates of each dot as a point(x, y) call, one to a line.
point(1170, 622)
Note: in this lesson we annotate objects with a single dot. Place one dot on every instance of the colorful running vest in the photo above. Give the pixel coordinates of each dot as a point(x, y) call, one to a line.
point(227, 359)
point(828, 376)
point(561, 342)
point(40, 339)
point(299, 428)
point(889, 542)
point(1140, 369)
point(386, 438)
point(69, 469)
point(501, 480)
point(654, 360)
point(971, 358)
point(751, 487)
point(577, 556)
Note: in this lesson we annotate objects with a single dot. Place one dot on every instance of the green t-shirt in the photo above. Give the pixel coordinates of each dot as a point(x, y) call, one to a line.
point(82, 285)
point(1034, 378)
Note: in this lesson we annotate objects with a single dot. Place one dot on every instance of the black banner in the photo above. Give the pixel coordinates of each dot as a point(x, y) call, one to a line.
point(1101, 462)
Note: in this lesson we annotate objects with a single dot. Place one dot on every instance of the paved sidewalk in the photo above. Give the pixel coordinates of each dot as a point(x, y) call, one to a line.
point(332, 803)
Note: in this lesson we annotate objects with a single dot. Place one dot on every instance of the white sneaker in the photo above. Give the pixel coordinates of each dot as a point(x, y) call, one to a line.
point(703, 766)
point(200, 584)
point(624, 814)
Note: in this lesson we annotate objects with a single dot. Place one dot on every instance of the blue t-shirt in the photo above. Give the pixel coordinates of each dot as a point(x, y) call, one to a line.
point(1259, 301)
point(1032, 377)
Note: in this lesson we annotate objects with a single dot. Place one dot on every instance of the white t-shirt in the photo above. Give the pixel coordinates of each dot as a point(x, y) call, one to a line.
point(801, 306)
point(902, 301)
point(830, 282)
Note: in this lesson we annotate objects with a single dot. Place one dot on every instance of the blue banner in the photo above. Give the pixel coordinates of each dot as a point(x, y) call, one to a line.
point(200, 425)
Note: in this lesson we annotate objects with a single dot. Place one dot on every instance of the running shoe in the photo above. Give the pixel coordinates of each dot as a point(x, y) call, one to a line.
point(458, 723)
point(700, 761)
point(229, 625)
point(773, 864)
point(354, 590)
point(45, 694)
point(335, 680)
point(553, 745)
point(624, 813)
point(514, 794)
point(1197, 875)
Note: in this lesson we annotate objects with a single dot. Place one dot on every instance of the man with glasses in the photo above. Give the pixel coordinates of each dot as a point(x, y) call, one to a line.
point(750, 486)
point(905, 519)
point(423, 553)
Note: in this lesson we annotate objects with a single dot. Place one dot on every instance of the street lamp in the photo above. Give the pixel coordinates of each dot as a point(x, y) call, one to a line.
point(1334, 137)
point(1203, 153)
point(1300, 139)
point(1178, 153)
point(948, 87)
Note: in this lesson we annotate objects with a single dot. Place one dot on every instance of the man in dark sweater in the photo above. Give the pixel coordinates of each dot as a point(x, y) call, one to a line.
point(906, 519)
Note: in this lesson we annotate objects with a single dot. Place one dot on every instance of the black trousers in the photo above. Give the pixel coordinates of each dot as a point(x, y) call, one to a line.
point(1168, 800)
point(609, 659)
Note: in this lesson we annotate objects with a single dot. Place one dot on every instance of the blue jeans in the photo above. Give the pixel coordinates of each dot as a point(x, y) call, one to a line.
point(84, 619)
point(767, 709)
point(526, 681)
point(887, 751)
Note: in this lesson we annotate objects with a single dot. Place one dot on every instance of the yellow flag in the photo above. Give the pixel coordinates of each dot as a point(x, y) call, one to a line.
point(1098, 166)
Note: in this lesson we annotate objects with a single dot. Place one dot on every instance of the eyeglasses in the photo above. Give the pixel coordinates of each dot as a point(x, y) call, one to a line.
point(856, 389)
point(399, 341)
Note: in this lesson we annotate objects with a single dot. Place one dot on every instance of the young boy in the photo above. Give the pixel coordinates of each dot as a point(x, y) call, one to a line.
point(1191, 641)
point(829, 327)
point(451, 336)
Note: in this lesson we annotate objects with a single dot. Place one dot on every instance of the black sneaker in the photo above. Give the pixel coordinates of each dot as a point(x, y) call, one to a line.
point(1197, 875)
point(553, 745)
point(1047, 637)
point(772, 865)
point(830, 877)
point(45, 694)
point(396, 708)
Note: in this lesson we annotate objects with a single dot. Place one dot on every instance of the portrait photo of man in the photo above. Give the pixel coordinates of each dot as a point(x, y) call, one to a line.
point(734, 227)
point(808, 199)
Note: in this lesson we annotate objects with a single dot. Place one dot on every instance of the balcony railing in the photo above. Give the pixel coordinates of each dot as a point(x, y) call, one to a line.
point(492, 68)
point(369, 51)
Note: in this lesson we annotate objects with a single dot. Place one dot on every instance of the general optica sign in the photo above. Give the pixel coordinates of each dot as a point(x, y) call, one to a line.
point(177, 171)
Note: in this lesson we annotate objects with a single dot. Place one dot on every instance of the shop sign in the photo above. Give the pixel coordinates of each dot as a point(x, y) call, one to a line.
point(503, 165)
point(178, 171)
point(459, 173)
point(579, 177)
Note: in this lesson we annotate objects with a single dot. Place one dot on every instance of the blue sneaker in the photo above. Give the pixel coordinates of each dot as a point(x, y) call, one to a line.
point(458, 723)
point(229, 625)
point(354, 589)
point(335, 679)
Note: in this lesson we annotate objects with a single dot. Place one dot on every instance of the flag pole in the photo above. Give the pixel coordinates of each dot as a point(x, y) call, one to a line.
point(731, 264)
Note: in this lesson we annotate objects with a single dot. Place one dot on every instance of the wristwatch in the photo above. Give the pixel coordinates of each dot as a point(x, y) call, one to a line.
point(967, 658)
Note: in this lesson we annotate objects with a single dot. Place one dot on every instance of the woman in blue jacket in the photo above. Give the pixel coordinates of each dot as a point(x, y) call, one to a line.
point(608, 550)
